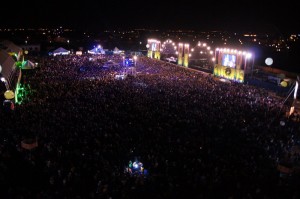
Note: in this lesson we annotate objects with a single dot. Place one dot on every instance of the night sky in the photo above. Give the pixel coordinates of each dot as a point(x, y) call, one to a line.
point(185, 14)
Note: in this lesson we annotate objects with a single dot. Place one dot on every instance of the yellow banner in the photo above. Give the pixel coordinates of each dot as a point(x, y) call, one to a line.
point(186, 55)
point(149, 54)
point(229, 73)
point(180, 52)
point(156, 55)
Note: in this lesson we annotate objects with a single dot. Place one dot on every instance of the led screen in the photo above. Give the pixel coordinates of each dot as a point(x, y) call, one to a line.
point(229, 60)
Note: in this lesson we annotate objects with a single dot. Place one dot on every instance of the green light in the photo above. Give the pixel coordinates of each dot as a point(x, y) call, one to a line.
point(22, 93)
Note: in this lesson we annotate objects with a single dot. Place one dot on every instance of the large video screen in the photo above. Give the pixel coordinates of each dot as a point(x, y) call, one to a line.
point(229, 60)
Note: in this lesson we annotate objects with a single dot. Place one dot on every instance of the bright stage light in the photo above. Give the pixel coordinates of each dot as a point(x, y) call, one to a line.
point(269, 61)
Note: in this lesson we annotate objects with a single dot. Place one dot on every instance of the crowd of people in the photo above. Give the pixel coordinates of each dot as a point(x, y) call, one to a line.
point(198, 137)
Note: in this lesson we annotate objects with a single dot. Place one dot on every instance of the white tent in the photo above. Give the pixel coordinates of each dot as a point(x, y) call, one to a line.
point(97, 50)
point(61, 51)
point(117, 51)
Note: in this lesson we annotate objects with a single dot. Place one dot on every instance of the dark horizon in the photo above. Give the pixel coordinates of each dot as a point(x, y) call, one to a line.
point(253, 28)
point(115, 14)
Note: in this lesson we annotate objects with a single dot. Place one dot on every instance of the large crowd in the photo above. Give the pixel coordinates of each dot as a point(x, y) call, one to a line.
point(197, 137)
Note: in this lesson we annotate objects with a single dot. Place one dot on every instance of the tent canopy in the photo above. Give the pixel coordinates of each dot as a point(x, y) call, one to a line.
point(29, 65)
point(117, 51)
point(97, 50)
point(61, 51)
